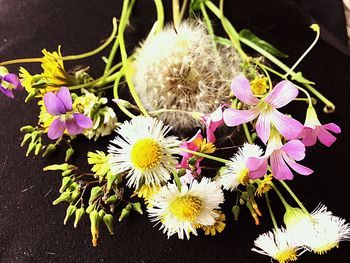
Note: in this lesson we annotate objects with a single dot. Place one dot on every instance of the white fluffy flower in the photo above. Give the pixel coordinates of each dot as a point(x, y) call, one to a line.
point(143, 150)
point(320, 232)
point(182, 211)
point(179, 69)
point(236, 171)
point(279, 245)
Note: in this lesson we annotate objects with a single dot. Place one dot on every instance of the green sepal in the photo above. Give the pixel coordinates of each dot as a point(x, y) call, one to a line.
point(38, 148)
point(89, 209)
point(236, 210)
point(55, 167)
point(124, 214)
point(94, 220)
point(181, 172)
point(96, 192)
point(111, 200)
point(108, 220)
point(110, 180)
point(65, 196)
point(101, 214)
point(26, 137)
point(49, 149)
point(30, 148)
point(70, 211)
point(250, 189)
point(27, 129)
point(69, 153)
point(78, 215)
point(65, 173)
point(75, 195)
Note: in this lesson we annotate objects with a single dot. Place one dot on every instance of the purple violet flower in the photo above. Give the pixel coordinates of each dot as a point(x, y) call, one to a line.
point(8, 83)
point(60, 105)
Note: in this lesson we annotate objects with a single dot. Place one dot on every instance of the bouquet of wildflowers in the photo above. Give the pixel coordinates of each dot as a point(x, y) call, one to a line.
point(189, 96)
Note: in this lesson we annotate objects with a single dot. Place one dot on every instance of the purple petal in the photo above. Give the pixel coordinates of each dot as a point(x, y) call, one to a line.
point(257, 167)
point(279, 168)
point(56, 129)
point(65, 97)
point(233, 117)
point(332, 127)
point(14, 80)
point(241, 88)
point(7, 92)
point(53, 105)
point(263, 126)
point(73, 128)
point(287, 126)
point(309, 136)
point(325, 137)
point(283, 93)
point(83, 121)
point(300, 169)
point(295, 149)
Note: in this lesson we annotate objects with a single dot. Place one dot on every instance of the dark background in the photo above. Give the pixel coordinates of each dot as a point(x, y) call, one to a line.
point(32, 230)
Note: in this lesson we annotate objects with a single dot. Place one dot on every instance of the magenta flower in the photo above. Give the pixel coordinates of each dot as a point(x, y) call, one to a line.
point(265, 109)
point(212, 122)
point(313, 129)
point(8, 83)
point(193, 144)
point(282, 159)
point(60, 105)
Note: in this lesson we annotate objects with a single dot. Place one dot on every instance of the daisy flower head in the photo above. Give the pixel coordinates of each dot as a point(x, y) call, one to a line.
point(181, 212)
point(144, 152)
point(279, 245)
point(236, 171)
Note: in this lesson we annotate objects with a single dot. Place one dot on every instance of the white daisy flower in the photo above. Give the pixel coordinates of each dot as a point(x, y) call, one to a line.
point(144, 152)
point(236, 171)
point(279, 245)
point(320, 232)
point(183, 211)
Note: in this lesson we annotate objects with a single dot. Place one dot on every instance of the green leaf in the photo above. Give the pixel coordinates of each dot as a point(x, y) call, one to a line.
point(247, 34)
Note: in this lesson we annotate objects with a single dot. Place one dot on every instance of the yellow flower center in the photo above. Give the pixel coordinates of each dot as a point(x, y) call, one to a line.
point(186, 208)
point(146, 154)
point(324, 249)
point(243, 176)
point(67, 116)
point(287, 256)
point(259, 86)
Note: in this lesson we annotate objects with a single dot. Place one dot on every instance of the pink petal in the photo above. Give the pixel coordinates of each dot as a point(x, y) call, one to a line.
point(65, 97)
point(211, 136)
point(53, 105)
point(216, 116)
point(300, 169)
point(257, 167)
point(83, 121)
point(73, 128)
point(242, 90)
point(283, 93)
point(56, 129)
point(287, 126)
point(325, 137)
point(7, 92)
point(263, 126)
point(309, 136)
point(332, 127)
point(279, 168)
point(295, 149)
point(233, 117)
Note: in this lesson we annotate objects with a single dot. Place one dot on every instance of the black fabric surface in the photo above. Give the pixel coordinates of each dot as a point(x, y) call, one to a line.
point(32, 230)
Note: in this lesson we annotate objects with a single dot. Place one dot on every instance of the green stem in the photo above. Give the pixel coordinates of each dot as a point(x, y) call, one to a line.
point(177, 180)
point(330, 107)
point(296, 199)
point(274, 222)
point(183, 9)
point(284, 202)
point(247, 133)
point(160, 15)
point(126, 63)
point(176, 13)
point(205, 156)
point(116, 95)
point(208, 24)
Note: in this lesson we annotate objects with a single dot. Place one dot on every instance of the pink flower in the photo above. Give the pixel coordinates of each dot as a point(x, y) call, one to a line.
point(265, 109)
point(60, 105)
point(193, 144)
point(282, 159)
point(187, 178)
point(313, 129)
point(9, 82)
point(212, 122)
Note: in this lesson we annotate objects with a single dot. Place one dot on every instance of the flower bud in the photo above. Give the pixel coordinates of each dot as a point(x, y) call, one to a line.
point(26, 137)
point(94, 220)
point(137, 208)
point(65, 196)
point(111, 200)
point(101, 214)
point(181, 172)
point(55, 167)
point(78, 215)
point(108, 220)
point(70, 211)
point(38, 148)
point(89, 209)
point(69, 153)
point(236, 210)
point(125, 213)
point(27, 129)
point(75, 195)
point(110, 180)
point(49, 149)
point(65, 173)
point(66, 181)
point(30, 148)
point(96, 192)
point(293, 215)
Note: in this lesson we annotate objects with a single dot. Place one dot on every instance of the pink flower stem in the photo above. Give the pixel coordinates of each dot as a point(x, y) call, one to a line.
point(274, 222)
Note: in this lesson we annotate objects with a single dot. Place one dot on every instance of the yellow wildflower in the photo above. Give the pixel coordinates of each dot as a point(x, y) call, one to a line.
point(45, 118)
point(147, 192)
point(205, 147)
point(259, 86)
point(264, 186)
point(218, 226)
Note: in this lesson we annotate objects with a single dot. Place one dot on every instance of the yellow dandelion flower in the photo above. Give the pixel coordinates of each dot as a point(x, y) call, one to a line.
point(218, 226)
point(259, 86)
point(206, 147)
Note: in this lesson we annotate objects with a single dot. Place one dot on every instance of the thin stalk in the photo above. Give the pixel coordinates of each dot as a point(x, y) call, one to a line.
point(160, 15)
point(284, 202)
point(176, 13)
point(247, 133)
point(208, 24)
point(183, 9)
point(274, 222)
point(205, 155)
point(177, 180)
